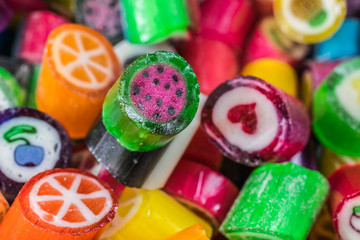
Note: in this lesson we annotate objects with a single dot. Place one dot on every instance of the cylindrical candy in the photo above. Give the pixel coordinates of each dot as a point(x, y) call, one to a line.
point(336, 115)
point(128, 52)
point(214, 62)
point(65, 204)
point(103, 16)
point(79, 66)
point(278, 201)
point(195, 232)
point(147, 21)
point(344, 201)
point(11, 94)
point(308, 156)
point(253, 122)
point(149, 170)
point(268, 41)
point(203, 190)
point(32, 85)
point(106, 176)
point(30, 142)
point(313, 75)
point(19, 68)
point(33, 34)
point(150, 215)
point(344, 43)
point(227, 21)
point(309, 21)
point(275, 72)
point(156, 97)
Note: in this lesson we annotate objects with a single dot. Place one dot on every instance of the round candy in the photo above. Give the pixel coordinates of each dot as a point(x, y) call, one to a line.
point(203, 190)
point(253, 122)
point(101, 15)
point(64, 204)
point(344, 201)
point(268, 41)
point(151, 215)
point(156, 97)
point(30, 142)
point(79, 66)
point(272, 192)
point(275, 72)
point(337, 107)
point(309, 21)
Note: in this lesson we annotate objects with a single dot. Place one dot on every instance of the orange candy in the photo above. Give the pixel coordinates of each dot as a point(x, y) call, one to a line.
point(195, 232)
point(4, 207)
point(60, 204)
point(79, 66)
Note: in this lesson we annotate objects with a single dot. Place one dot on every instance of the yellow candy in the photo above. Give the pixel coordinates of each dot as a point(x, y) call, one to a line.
point(151, 215)
point(275, 72)
point(309, 21)
point(331, 161)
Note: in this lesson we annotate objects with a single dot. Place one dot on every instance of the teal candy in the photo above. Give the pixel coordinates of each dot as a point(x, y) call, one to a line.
point(278, 201)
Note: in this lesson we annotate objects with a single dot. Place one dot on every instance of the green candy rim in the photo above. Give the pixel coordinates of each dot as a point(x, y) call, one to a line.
point(192, 92)
point(333, 80)
point(11, 88)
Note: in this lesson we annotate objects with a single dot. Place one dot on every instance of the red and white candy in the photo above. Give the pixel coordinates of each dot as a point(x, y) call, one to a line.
point(253, 122)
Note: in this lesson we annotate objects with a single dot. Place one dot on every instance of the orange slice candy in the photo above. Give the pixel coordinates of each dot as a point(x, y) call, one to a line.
point(195, 232)
point(66, 204)
point(79, 67)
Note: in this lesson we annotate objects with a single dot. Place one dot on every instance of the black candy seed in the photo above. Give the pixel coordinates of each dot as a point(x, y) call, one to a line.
point(140, 106)
point(179, 93)
point(160, 69)
point(159, 102)
point(171, 110)
point(136, 90)
point(148, 96)
point(156, 81)
point(175, 78)
point(167, 86)
point(145, 74)
point(157, 115)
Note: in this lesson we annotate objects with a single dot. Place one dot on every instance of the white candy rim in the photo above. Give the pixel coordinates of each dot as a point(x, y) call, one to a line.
point(69, 198)
point(345, 230)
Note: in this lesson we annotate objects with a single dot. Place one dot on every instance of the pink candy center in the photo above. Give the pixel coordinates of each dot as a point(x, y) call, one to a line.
point(159, 93)
point(244, 114)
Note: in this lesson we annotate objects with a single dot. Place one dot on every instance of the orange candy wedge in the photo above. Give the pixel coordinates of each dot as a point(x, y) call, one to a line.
point(79, 66)
point(60, 204)
point(4, 207)
point(195, 232)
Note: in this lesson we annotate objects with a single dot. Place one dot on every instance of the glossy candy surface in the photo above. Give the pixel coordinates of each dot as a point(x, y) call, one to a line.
point(252, 122)
point(150, 215)
point(60, 204)
point(156, 97)
point(30, 142)
point(79, 65)
point(278, 201)
point(336, 107)
point(147, 22)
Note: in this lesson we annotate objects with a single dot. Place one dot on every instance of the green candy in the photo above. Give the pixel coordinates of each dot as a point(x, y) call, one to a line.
point(11, 93)
point(156, 97)
point(336, 110)
point(278, 201)
point(30, 102)
point(152, 21)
